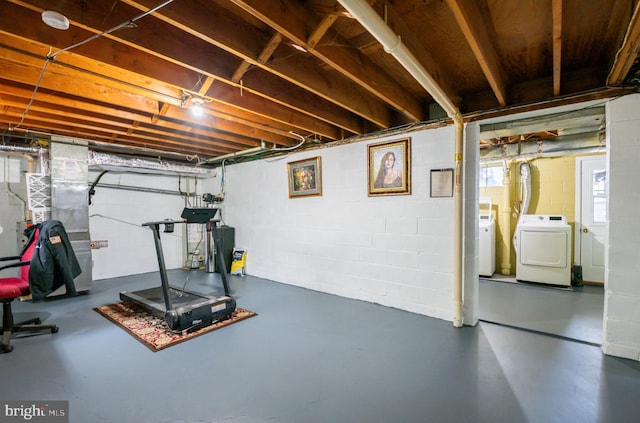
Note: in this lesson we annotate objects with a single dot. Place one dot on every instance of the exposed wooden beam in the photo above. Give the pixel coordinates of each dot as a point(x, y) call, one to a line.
point(321, 29)
point(135, 124)
point(410, 39)
point(66, 80)
point(556, 11)
point(294, 22)
point(80, 129)
point(467, 15)
point(528, 92)
point(240, 71)
point(628, 52)
point(263, 57)
point(18, 98)
point(206, 85)
point(225, 36)
point(178, 52)
point(163, 111)
point(75, 78)
point(71, 82)
point(224, 93)
point(298, 99)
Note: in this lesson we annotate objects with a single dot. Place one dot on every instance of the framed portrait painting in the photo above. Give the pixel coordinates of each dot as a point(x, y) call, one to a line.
point(305, 177)
point(390, 168)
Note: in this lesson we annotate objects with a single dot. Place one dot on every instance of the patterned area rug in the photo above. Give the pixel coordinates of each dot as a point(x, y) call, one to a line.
point(152, 330)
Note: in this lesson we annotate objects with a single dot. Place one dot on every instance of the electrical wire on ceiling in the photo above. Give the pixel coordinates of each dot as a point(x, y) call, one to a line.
point(293, 147)
point(50, 57)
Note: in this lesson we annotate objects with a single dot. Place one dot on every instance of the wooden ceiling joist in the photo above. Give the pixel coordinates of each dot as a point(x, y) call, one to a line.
point(270, 72)
point(556, 11)
point(628, 52)
point(468, 17)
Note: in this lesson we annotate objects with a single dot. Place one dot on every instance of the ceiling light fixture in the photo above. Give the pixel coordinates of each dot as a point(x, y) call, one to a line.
point(55, 20)
point(193, 103)
point(197, 110)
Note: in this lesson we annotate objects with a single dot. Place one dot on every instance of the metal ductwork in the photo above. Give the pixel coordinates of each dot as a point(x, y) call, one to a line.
point(16, 149)
point(112, 162)
point(116, 163)
point(587, 142)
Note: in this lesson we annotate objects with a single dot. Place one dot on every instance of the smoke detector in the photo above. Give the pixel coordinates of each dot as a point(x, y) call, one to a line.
point(55, 20)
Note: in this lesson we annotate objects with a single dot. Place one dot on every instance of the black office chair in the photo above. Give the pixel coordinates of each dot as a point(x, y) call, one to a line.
point(15, 287)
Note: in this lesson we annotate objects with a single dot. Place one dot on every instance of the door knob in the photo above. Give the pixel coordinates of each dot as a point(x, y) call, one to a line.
point(585, 230)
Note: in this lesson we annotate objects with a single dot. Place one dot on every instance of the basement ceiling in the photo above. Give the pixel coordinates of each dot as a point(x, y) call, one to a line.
point(127, 74)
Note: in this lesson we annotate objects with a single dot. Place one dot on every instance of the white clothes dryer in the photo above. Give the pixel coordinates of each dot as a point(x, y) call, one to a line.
point(543, 249)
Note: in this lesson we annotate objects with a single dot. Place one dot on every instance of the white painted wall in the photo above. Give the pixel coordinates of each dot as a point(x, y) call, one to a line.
point(116, 215)
point(395, 250)
point(622, 254)
point(13, 195)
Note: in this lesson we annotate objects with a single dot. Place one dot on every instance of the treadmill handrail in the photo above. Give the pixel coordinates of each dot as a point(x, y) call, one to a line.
point(162, 222)
point(211, 232)
point(155, 228)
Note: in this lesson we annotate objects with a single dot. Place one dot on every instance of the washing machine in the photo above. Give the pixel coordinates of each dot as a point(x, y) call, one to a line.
point(486, 239)
point(543, 249)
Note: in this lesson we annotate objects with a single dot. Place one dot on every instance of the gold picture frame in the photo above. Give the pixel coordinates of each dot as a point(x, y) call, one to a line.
point(305, 177)
point(389, 165)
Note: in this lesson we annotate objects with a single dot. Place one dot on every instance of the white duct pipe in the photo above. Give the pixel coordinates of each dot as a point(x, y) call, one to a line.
point(525, 180)
point(505, 225)
point(392, 44)
point(525, 183)
point(458, 232)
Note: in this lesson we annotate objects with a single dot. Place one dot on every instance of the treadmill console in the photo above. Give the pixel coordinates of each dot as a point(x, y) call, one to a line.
point(199, 214)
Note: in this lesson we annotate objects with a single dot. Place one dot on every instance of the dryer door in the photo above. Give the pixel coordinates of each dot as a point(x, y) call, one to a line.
point(543, 248)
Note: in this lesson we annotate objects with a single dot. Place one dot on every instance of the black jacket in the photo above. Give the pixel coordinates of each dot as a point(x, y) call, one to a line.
point(54, 263)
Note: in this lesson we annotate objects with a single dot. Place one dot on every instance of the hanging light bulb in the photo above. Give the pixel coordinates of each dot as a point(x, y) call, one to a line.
point(197, 110)
point(196, 106)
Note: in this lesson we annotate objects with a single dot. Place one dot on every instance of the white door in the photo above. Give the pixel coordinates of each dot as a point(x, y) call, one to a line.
point(591, 216)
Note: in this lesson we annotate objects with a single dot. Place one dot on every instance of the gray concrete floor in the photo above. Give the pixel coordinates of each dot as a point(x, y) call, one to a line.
point(574, 313)
point(311, 357)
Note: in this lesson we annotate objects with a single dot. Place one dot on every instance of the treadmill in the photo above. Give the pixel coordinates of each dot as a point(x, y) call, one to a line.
point(183, 310)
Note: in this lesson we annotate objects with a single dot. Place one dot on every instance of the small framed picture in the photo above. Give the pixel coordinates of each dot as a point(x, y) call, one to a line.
point(305, 177)
point(441, 183)
point(390, 168)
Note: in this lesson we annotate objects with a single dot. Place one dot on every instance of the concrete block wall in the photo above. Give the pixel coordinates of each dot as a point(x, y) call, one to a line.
point(622, 254)
point(116, 215)
point(393, 250)
point(553, 186)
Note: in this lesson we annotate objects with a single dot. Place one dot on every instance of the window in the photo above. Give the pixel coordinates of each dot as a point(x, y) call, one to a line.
point(599, 187)
point(491, 176)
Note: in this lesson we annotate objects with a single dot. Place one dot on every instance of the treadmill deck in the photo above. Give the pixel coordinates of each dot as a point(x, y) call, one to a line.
point(153, 299)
